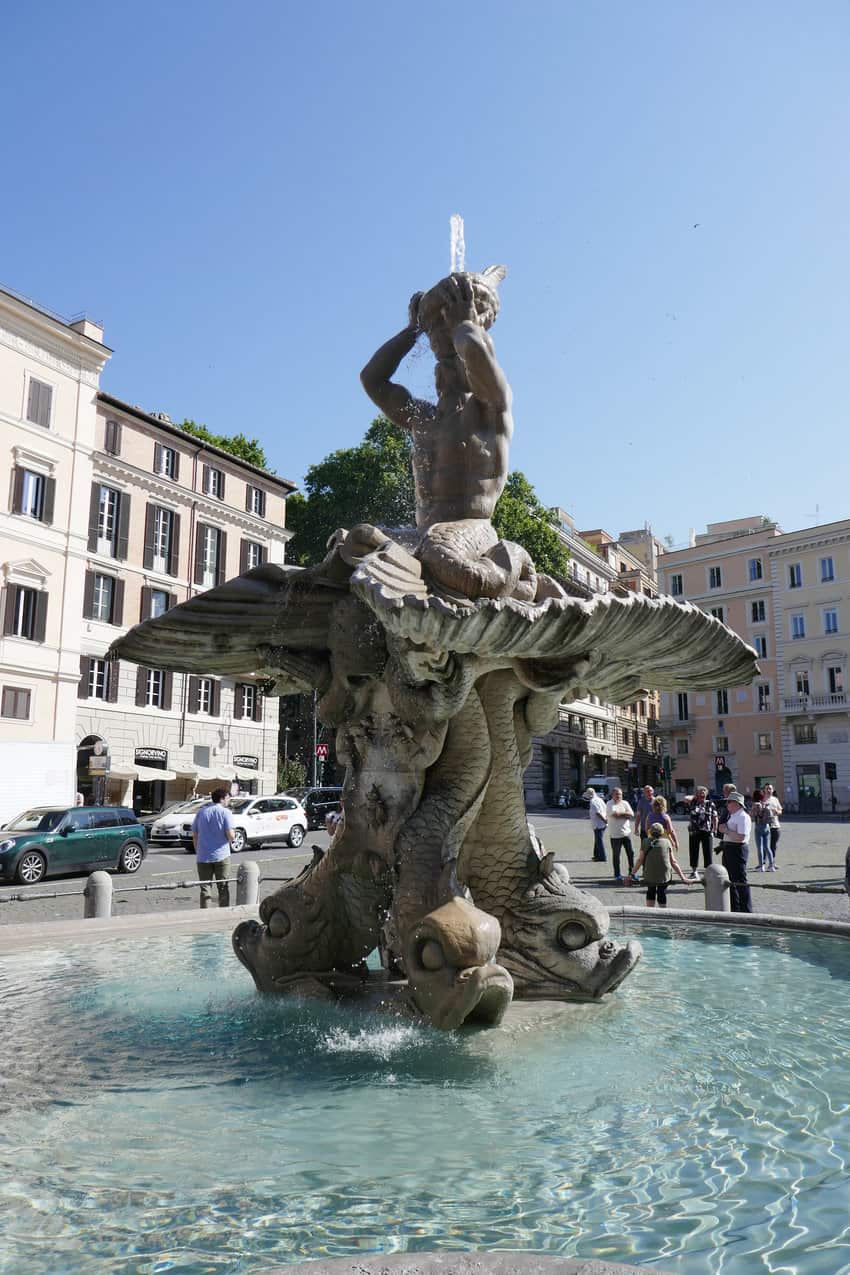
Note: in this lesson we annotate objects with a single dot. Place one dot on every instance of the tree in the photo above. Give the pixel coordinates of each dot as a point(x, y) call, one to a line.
point(370, 483)
point(520, 516)
point(291, 773)
point(237, 444)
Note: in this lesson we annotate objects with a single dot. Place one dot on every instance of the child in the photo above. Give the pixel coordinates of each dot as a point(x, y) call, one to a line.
point(657, 859)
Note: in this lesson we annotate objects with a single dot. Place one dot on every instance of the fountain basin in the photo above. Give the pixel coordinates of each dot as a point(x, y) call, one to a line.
point(697, 1120)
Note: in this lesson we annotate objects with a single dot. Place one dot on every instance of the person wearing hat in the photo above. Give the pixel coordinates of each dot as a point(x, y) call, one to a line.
point(658, 860)
point(598, 822)
point(735, 829)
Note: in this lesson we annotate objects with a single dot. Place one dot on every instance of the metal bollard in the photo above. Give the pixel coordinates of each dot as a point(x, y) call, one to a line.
point(98, 895)
point(717, 895)
point(248, 884)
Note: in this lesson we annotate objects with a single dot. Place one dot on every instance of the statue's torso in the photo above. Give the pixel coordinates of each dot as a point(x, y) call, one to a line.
point(460, 460)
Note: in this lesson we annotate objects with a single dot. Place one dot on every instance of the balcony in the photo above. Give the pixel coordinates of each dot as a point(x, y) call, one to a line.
point(830, 703)
point(668, 724)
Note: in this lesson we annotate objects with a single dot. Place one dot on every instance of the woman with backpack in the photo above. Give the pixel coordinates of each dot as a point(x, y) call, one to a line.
point(658, 861)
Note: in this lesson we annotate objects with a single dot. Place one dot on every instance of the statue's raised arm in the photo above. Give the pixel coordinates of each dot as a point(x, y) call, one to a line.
point(396, 402)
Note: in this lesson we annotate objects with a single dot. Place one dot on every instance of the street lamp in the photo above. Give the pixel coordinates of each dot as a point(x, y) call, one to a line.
point(286, 731)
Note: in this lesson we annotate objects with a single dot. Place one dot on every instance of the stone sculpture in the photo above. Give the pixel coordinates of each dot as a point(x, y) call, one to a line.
point(438, 652)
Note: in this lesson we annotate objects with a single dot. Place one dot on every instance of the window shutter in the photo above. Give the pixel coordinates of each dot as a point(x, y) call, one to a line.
point(222, 484)
point(176, 464)
point(18, 491)
point(157, 458)
point(88, 596)
point(112, 439)
point(172, 601)
point(221, 561)
point(237, 701)
point(141, 685)
point(113, 670)
point(205, 479)
point(123, 526)
point(193, 696)
point(262, 503)
point(174, 547)
point(258, 705)
point(145, 608)
point(199, 553)
point(10, 608)
point(264, 554)
point(150, 517)
point(32, 402)
point(38, 403)
point(83, 687)
point(249, 491)
point(215, 700)
point(118, 602)
point(94, 514)
point(167, 687)
point(243, 556)
point(40, 625)
point(49, 501)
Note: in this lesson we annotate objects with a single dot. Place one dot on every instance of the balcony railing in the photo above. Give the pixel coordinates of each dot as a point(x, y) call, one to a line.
point(814, 703)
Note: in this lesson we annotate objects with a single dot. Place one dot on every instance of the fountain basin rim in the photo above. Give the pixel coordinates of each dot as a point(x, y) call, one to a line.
point(755, 920)
point(455, 1262)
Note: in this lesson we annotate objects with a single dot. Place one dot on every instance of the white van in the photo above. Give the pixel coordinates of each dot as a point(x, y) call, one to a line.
point(604, 784)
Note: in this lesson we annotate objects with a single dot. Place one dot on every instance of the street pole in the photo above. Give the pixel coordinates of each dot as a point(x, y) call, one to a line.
point(315, 740)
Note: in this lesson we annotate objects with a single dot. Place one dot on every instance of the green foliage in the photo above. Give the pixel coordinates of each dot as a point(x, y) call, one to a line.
point(237, 444)
point(291, 774)
point(369, 483)
point(520, 516)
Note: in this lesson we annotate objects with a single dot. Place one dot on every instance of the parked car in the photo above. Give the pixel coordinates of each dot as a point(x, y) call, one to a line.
point(317, 802)
point(258, 819)
point(169, 827)
point(48, 840)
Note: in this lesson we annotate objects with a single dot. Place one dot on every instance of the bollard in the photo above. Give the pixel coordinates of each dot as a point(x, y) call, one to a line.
point(717, 895)
point(248, 884)
point(98, 895)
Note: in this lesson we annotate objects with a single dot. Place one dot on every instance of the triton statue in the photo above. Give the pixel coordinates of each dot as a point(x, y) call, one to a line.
point(438, 653)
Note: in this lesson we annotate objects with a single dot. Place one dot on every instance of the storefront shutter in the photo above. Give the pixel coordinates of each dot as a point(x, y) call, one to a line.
point(193, 696)
point(88, 596)
point(94, 515)
point(113, 672)
point(150, 522)
point(167, 689)
point(174, 547)
point(49, 501)
point(40, 624)
point(141, 685)
point(123, 526)
point(221, 560)
point(83, 687)
point(118, 602)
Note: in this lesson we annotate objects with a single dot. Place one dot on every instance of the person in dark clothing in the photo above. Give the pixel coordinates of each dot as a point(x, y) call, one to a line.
point(702, 827)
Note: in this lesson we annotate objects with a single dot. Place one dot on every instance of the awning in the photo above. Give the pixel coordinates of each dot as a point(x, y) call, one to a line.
point(150, 774)
point(206, 774)
point(134, 770)
point(241, 773)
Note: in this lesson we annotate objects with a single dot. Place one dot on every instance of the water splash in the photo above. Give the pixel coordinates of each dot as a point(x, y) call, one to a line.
point(381, 1041)
point(458, 244)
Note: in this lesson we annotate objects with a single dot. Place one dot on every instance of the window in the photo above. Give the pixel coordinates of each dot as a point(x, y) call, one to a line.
point(109, 522)
point(160, 602)
point(715, 578)
point(830, 620)
point(721, 743)
point(247, 695)
point(25, 612)
point(802, 683)
point(162, 540)
point(597, 729)
point(154, 688)
point(795, 576)
point(755, 568)
point(205, 689)
point(97, 679)
point(255, 501)
point(763, 701)
point(39, 402)
point(213, 482)
point(676, 586)
point(643, 739)
point(112, 438)
point(805, 733)
point(247, 702)
point(161, 537)
point(33, 495)
point(827, 570)
point(722, 698)
point(625, 737)
point(760, 643)
point(102, 597)
point(201, 754)
point(758, 614)
point(166, 461)
point(682, 706)
point(798, 626)
point(835, 680)
point(16, 703)
point(252, 555)
point(764, 741)
point(682, 747)
point(210, 555)
point(717, 612)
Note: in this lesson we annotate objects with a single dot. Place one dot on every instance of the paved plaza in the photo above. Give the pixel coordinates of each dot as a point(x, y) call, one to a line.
point(809, 881)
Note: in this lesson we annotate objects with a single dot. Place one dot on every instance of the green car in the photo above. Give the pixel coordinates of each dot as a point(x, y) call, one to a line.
point(49, 840)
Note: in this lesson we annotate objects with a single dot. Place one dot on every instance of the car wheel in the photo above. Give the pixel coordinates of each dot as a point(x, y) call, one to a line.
point(130, 858)
point(239, 841)
point(31, 868)
point(296, 835)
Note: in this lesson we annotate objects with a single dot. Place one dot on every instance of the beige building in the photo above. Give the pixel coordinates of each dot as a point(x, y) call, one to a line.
point(112, 515)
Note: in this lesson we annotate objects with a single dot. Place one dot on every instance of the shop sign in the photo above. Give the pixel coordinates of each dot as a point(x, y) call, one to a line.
point(157, 755)
point(246, 760)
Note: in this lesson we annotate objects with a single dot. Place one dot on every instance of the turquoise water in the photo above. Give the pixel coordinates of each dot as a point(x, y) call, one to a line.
point(158, 1116)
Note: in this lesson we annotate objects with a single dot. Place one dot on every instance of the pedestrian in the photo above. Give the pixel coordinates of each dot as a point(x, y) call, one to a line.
point(760, 815)
point(658, 861)
point(660, 815)
point(702, 826)
point(735, 848)
point(774, 806)
point(598, 822)
point(620, 816)
point(643, 813)
point(79, 800)
point(212, 836)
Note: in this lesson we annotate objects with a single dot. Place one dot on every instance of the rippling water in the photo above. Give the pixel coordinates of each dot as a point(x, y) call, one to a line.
point(158, 1116)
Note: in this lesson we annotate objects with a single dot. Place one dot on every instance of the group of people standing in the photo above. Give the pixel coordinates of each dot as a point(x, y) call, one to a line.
point(728, 821)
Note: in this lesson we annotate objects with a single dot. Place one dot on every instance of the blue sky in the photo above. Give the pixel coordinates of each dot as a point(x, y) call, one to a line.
point(247, 194)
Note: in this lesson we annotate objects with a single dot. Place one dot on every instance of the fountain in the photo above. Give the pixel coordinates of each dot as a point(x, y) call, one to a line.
point(438, 651)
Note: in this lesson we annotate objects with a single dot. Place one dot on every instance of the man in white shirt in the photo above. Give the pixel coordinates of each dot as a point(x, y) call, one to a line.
point(620, 816)
point(735, 829)
point(598, 822)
